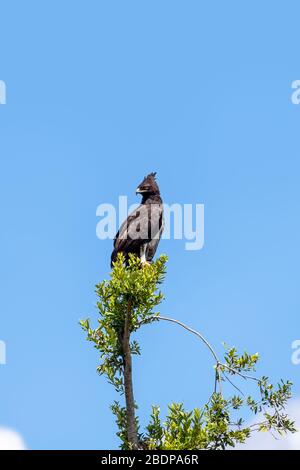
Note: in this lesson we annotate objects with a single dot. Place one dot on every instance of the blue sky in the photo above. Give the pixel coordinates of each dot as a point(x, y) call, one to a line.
point(99, 94)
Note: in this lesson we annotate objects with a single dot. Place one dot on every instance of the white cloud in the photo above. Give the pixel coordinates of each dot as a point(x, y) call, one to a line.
point(265, 441)
point(11, 440)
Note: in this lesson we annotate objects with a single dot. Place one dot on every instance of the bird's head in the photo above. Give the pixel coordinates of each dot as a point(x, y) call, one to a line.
point(148, 186)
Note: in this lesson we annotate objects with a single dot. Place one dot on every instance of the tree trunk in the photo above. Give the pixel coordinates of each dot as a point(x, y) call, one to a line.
point(129, 398)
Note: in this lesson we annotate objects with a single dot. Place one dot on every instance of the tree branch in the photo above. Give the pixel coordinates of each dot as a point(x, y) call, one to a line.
point(128, 386)
point(219, 364)
point(194, 332)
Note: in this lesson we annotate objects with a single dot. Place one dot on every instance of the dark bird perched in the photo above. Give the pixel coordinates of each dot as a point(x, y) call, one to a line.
point(141, 231)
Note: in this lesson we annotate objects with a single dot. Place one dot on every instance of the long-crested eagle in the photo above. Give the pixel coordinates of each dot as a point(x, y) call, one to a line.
point(141, 231)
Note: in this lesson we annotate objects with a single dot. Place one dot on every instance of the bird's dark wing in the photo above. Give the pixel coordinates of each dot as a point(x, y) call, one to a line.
point(133, 233)
point(122, 232)
point(142, 226)
point(158, 229)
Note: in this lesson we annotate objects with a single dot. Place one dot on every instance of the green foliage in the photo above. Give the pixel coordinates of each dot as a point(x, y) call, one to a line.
point(235, 363)
point(134, 287)
point(215, 425)
point(209, 428)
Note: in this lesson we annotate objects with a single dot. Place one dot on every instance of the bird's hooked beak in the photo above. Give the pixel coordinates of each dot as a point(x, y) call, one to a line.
point(139, 190)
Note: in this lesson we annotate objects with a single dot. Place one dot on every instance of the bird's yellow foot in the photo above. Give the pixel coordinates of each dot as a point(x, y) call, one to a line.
point(145, 263)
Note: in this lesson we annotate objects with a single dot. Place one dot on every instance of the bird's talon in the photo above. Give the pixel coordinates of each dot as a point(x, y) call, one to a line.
point(146, 263)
